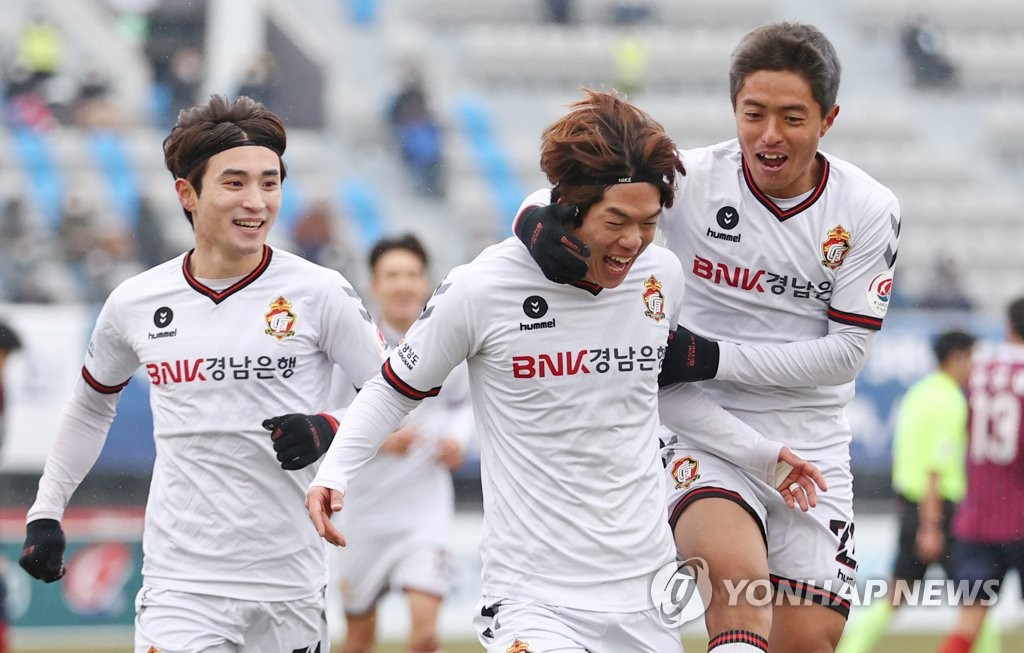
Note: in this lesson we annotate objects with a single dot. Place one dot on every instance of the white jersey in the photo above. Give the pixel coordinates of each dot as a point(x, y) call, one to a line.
point(761, 272)
point(222, 517)
point(411, 492)
point(564, 387)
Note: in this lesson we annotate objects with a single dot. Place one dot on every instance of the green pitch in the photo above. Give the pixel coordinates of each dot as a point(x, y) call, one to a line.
point(902, 643)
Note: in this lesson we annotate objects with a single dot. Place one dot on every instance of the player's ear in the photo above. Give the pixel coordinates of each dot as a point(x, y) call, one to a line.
point(186, 194)
point(830, 117)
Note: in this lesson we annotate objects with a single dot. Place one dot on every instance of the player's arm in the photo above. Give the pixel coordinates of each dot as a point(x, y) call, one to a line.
point(863, 286)
point(349, 339)
point(439, 340)
point(81, 433)
point(833, 359)
point(374, 415)
point(543, 227)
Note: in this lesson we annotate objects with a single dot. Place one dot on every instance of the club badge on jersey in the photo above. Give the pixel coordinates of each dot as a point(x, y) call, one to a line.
point(835, 247)
point(519, 646)
point(280, 319)
point(654, 299)
point(684, 472)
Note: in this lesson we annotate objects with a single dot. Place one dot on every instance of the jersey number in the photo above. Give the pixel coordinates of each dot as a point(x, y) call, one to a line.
point(844, 530)
point(995, 427)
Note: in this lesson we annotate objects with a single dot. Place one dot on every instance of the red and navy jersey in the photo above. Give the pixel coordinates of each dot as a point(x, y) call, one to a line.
point(993, 509)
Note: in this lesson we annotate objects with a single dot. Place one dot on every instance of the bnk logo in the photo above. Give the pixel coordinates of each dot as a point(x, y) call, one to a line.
point(681, 590)
point(561, 364)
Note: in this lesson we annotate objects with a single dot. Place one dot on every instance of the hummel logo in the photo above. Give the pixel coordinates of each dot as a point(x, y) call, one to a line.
point(162, 317)
point(535, 307)
point(727, 217)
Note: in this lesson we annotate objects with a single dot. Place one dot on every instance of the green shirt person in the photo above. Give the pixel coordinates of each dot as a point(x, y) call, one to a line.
point(928, 453)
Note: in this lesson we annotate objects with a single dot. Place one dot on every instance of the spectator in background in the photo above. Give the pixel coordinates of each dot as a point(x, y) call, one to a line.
point(988, 528)
point(418, 134)
point(945, 289)
point(559, 11)
point(929, 64)
point(316, 237)
point(928, 475)
point(257, 80)
point(9, 342)
point(40, 50)
point(185, 76)
point(401, 505)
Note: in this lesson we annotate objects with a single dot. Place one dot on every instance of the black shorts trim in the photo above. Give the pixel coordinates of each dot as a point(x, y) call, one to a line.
point(714, 493)
point(811, 593)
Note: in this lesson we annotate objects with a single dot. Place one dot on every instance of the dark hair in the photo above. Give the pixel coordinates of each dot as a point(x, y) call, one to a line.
point(9, 340)
point(793, 47)
point(605, 138)
point(408, 242)
point(951, 342)
point(208, 129)
point(1016, 314)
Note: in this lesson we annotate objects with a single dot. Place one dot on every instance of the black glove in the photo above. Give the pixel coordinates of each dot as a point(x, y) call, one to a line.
point(542, 229)
point(300, 439)
point(689, 357)
point(43, 554)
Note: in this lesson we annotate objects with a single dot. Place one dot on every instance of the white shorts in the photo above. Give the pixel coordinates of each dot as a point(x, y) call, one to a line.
point(180, 622)
point(368, 568)
point(508, 626)
point(810, 554)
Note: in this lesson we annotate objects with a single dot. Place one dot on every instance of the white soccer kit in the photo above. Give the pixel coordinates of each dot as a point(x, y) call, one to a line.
point(793, 290)
point(564, 383)
point(399, 510)
point(222, 519)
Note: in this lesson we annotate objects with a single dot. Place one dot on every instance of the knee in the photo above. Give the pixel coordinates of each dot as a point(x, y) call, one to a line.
point(424, 641)
point(356, 643)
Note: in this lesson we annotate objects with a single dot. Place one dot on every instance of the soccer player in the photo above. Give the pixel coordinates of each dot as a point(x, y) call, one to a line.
point(227, 333)
point(928, 475)
point(400, 513)
point(564, 387)
point(9, 342)
point(989, 524)
point(788, 256)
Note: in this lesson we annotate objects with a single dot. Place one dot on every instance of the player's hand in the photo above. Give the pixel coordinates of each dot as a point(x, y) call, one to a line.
point(449, 453)
point(556, 251)
point(43, 554)
point(688, 358)
point(400, 441)
point(795, 479)
point(300, 439)
point(321, 503)
point(929, 543)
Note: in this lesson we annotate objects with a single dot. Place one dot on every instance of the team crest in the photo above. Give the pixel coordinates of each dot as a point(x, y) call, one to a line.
point(519, 646)
point(280, 319)
point(153, 649)
point(684, 472)
point(654, 299)
point(835, 247)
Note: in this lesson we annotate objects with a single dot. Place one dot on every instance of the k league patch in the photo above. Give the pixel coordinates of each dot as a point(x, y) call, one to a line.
point(879, 292)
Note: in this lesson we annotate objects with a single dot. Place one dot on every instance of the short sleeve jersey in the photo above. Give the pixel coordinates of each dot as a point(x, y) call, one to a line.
point(564, 388)
point(766, 271)
point(931, 437)
point(993, 509)
point(222, 517)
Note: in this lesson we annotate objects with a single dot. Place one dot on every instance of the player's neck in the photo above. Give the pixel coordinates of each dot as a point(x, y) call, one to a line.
point(213, 264)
